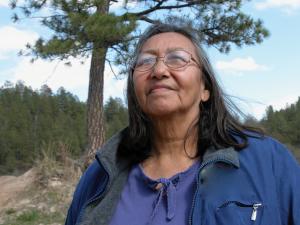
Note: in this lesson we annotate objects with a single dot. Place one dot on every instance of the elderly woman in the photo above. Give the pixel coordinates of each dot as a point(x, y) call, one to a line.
point(185, 158)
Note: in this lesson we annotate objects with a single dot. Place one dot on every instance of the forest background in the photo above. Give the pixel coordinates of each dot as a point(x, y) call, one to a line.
point(43, 126)
point(39, 122)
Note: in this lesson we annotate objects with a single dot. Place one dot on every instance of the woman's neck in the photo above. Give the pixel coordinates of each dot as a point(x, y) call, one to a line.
point(174, 148)
point(175, 135)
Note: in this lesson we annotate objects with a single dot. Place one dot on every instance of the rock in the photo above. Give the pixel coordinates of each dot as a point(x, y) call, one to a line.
point(55, 183)
point(53, 209)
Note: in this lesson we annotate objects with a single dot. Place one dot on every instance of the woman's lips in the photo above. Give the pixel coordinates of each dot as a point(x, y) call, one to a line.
point(157, 88)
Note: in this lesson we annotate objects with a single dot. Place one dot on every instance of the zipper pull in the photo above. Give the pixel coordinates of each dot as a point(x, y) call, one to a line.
point(254, 212)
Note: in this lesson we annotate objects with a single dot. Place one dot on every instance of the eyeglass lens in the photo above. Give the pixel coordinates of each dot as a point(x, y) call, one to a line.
point(174, 59)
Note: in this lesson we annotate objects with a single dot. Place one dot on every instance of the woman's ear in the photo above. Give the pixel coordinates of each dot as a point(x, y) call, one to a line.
point(205, 95)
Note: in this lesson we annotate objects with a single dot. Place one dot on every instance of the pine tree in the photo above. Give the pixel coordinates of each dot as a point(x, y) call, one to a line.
point(285, 126)
point(88, 27)
point(32, 121)
point(115, 114)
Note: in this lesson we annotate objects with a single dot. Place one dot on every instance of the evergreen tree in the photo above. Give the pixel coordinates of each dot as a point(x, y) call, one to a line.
point(32, 121)
point(116, 117)
point(87, 27)
point(285, 125)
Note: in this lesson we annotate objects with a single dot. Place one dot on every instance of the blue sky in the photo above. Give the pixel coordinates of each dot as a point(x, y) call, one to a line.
point(257, 76)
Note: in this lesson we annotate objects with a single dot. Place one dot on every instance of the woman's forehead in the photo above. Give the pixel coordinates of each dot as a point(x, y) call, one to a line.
point(165, 42)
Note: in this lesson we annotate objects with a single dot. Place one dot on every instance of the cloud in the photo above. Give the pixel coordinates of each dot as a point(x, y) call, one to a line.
point(3, 56)
point(56, 74)
point(286, 5)
point(238, 65)
point(258, 108)
point(283, 102)
point(13, 39)
point(4, 3)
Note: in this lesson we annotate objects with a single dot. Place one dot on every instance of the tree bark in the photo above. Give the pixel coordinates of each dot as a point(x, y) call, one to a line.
point(95, 115)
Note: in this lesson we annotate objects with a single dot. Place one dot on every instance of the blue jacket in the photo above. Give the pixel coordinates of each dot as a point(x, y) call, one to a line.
point(258, 185)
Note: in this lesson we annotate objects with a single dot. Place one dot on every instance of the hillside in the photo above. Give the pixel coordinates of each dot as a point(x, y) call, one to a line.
point(41, 196)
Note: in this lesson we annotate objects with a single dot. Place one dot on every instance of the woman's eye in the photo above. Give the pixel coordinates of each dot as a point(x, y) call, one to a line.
point(145, 61)
point(176, 58)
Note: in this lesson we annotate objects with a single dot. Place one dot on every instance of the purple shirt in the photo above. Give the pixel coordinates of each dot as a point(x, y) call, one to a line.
point(145, 201)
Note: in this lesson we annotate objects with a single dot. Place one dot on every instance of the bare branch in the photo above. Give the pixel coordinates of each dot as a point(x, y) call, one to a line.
point(150, 10)
point(119, 52)
point(147, 19)
point(112, 70)
point(41, 17)
point(159, 6)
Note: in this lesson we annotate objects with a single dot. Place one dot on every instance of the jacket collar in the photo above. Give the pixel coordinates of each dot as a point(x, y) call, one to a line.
point(107, 156)
point(226, 155)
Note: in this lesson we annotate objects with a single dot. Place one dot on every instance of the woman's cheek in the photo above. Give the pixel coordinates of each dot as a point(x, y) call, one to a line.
point(140, 94)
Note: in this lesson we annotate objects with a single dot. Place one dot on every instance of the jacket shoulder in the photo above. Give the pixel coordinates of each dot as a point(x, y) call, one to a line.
point(268, 146)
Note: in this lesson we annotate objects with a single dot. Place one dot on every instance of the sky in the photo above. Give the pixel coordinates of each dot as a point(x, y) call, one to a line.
point(255, 76)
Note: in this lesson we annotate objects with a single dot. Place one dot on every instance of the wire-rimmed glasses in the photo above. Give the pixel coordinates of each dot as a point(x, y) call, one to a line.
point(176, 59)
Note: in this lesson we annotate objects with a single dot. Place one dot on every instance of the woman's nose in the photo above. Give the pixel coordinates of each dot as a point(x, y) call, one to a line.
point(160, 69)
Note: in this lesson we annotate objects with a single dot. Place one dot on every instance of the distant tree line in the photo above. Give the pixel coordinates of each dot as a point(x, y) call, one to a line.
point(35, 121)
point(283, 125)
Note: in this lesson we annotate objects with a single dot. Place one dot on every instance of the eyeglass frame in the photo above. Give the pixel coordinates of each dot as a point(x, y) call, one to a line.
point(162, 58)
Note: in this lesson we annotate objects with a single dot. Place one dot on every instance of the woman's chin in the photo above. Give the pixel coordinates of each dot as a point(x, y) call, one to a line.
point(160, 111)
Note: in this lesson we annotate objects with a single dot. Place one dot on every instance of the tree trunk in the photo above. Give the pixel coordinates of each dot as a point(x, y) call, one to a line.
point(95, 120)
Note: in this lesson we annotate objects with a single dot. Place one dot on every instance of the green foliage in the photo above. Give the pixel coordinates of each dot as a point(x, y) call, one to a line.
point(78, 28)
point(88, 27)
point(31, 120)
point(116, 116)
point(28, 217)
point(10, 211)
point(77, 33)
point(222, 24)
point(36, 217)
point(284, 125)
point(43, 129)
point(82, 26)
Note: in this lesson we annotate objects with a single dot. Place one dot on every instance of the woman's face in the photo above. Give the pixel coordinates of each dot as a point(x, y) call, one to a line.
point(162, 91)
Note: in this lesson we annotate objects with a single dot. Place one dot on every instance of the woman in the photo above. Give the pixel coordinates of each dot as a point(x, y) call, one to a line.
point(184, 158)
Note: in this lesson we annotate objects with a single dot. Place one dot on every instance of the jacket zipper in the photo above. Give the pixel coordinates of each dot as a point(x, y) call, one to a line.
point(197, 182)
point(254, 206)
point(254, 212)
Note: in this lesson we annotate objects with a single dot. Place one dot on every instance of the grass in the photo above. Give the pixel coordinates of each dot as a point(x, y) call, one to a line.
point(36, 217)
point(28, 217)
point(10, 211)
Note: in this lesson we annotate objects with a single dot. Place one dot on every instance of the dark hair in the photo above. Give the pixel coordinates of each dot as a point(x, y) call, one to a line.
point(218, 125)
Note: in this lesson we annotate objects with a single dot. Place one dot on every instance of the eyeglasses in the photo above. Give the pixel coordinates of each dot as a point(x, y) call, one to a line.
point(174, 60)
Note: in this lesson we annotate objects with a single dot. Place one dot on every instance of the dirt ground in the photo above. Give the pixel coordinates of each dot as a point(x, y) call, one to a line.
point(12, 186)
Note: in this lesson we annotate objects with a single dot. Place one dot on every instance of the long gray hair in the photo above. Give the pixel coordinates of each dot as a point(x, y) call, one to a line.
point(217, 125)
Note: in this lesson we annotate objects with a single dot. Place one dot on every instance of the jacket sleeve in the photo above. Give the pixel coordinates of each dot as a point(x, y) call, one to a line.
point(287, 175)
point(92, 183)
point(72, 214)
point(77, 203)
